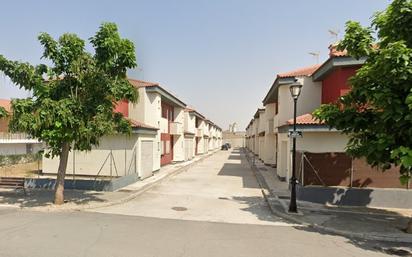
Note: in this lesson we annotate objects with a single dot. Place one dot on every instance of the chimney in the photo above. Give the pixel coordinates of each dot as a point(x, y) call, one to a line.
point(333, 51)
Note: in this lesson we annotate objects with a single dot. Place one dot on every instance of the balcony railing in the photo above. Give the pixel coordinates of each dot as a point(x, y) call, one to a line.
point(176, 128)
point(199, 132)
point(164, 125)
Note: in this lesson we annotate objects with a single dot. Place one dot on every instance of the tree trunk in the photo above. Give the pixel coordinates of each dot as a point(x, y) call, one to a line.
point(59, 193)
point(409, 227)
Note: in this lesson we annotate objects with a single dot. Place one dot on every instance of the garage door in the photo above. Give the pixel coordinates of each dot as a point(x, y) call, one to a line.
point(188, 148)
point(147, 159)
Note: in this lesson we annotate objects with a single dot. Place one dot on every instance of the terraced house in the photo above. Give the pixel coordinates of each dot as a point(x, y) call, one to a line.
point(164, 131)
point(322, 160)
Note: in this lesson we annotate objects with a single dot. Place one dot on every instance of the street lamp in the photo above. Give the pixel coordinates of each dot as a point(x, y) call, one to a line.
point(295, 89)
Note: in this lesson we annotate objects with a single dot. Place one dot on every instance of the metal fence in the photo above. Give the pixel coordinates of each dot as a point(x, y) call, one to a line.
point(339, 169)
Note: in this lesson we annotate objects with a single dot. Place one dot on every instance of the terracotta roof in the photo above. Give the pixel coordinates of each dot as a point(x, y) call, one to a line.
point(140, 83)
point(6, 104)
point(306, 71)
point(189, 109)
point(138, 124)
point(306, 119)
point(333, 52)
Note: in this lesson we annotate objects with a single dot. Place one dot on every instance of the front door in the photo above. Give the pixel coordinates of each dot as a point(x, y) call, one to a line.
point(166, 149)
point(166, 139)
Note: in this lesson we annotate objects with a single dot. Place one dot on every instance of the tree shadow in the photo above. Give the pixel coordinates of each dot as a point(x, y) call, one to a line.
point(258, 207)
point(42, 197)
point(392, 248)
point(239, 169)
point(362, 221)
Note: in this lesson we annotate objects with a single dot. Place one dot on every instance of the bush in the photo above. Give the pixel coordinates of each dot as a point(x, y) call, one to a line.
point(19, 158)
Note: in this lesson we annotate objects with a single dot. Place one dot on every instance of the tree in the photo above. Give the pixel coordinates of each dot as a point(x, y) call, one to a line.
point(73, 100)
point(377, 113)
point(3, 112)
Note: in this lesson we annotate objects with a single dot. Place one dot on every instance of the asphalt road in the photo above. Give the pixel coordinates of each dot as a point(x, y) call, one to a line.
point(213, 209)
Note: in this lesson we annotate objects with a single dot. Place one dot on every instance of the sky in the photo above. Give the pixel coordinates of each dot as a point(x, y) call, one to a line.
point(218, 56)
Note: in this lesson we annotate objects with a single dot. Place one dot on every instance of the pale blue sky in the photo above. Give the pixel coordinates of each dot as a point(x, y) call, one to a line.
point(220, 56)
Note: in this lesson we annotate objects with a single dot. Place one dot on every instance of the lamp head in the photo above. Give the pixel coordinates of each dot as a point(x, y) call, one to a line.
point(295, 89)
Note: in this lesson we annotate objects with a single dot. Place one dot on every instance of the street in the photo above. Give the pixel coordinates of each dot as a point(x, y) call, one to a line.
point(221, 188)
point(213, 209)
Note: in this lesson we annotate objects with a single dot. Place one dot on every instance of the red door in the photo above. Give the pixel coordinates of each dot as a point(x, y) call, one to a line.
point(167, 149)
point(165, 138)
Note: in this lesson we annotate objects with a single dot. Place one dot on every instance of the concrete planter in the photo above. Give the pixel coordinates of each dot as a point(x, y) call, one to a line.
point(83, 184)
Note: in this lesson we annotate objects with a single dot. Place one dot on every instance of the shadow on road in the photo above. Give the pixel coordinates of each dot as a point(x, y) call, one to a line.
point(258, 207)
point(238, 166)
point(40, 198)
point(391, 248)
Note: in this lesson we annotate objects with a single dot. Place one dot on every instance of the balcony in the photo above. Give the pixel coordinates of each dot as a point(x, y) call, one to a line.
point(176, 128)
point(199, 132)
point(164, 125)
point(6, 137)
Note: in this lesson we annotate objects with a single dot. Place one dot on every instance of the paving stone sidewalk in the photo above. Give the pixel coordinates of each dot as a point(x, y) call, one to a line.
point(42, 200)
point(360, 222)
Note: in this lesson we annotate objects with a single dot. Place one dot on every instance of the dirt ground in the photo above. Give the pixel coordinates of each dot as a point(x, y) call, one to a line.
point(21, 170)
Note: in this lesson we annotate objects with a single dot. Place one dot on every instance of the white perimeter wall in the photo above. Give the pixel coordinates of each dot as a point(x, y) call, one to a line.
point(125, 152)
point(316, 142)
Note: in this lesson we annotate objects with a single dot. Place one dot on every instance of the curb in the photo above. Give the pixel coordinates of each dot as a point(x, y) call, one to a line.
point(133, 195)
point(270, 198)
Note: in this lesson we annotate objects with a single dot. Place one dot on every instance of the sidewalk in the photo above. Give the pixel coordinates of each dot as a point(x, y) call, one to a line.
point(355, 222)
point(42, 200)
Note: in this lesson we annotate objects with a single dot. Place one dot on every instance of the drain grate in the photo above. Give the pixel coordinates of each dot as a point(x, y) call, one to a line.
point(179, 208)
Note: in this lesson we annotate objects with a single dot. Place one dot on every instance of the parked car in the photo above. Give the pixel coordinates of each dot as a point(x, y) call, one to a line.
point(228, 145)
point(225, 147)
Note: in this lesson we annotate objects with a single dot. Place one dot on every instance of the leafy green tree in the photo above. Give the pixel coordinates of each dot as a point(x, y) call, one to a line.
point(3, 112)
point(73, 99)
point(377, 113)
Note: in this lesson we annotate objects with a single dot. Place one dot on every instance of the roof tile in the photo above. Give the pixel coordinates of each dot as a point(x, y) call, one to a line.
point(140, 83)
point(6, 104)
point(306, 119)
point(306, 71)
point(138, 124)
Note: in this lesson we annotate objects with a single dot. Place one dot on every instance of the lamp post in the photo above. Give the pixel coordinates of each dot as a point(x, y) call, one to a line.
point(295, 89)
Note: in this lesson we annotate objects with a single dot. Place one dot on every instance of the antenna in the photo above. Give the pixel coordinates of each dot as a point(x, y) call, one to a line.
point(141, 71)
point(316, 55)
point(334, 33)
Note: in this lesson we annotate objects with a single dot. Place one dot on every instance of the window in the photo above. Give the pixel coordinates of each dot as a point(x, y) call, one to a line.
point(164, 112)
